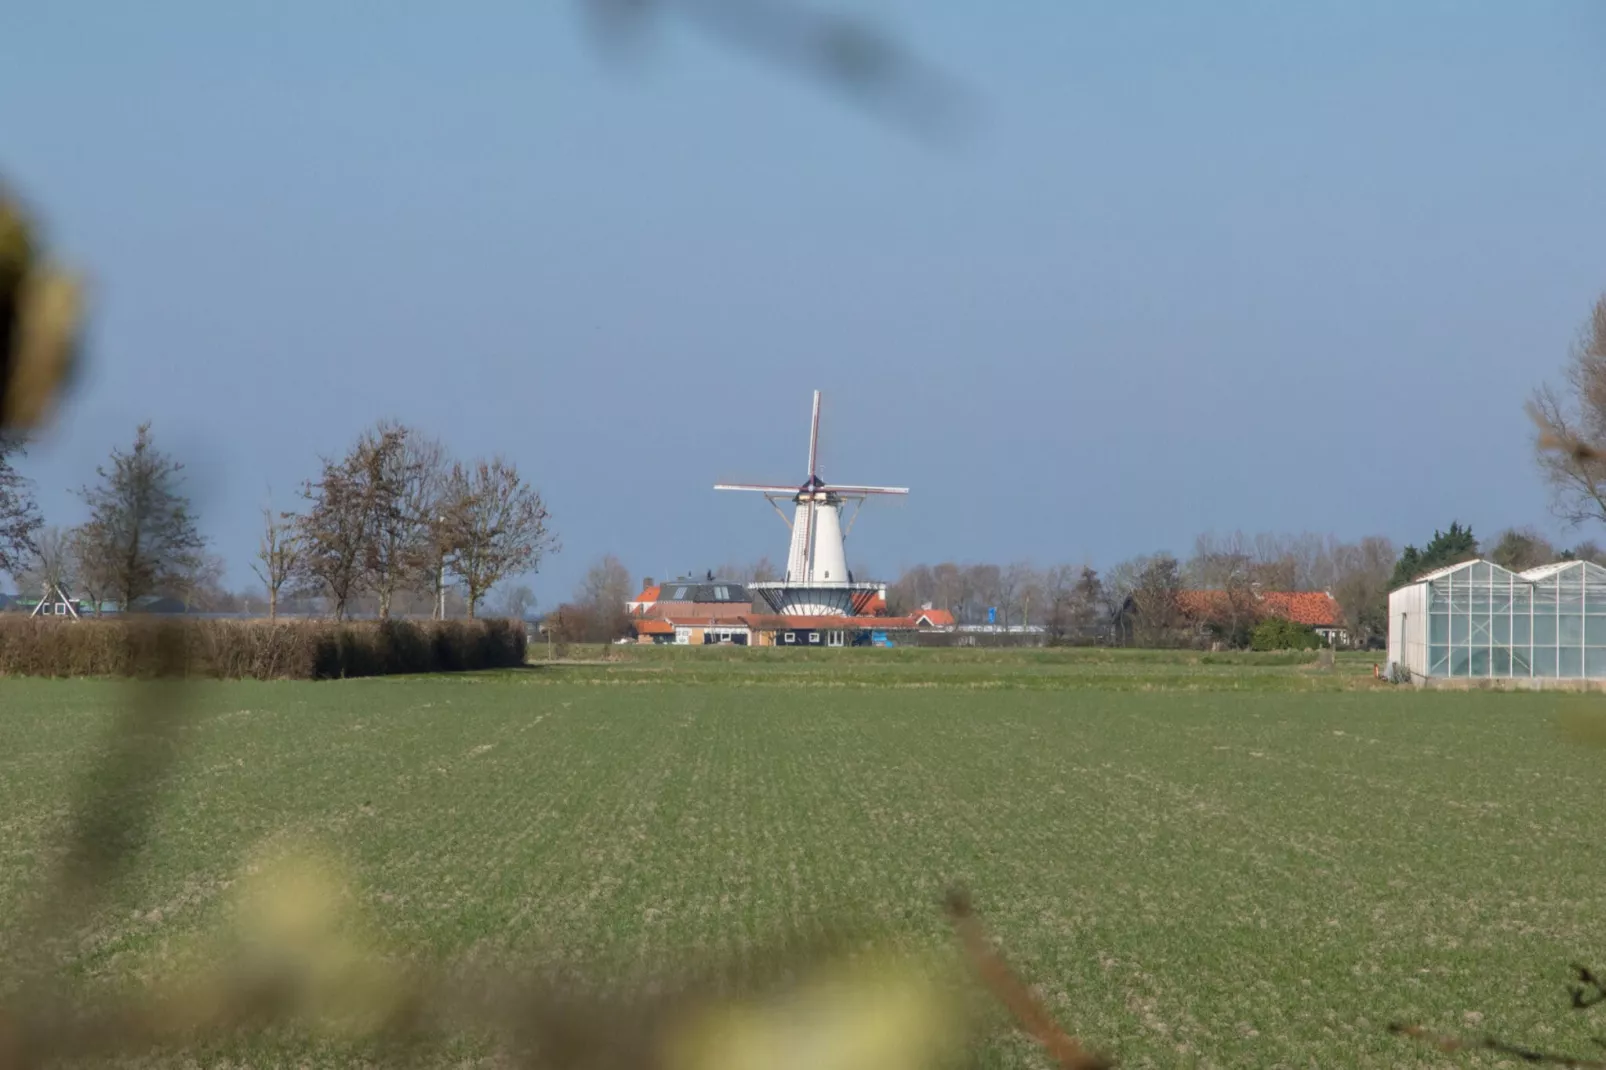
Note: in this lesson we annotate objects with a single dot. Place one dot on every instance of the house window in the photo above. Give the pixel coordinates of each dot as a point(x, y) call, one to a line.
point(835, 638)
point(683, 636)
point(791, 637)
point(814, 637)
point(680, 594)
point(722, 594)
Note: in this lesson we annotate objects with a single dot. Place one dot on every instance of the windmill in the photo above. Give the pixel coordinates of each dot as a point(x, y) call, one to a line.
point(817, 581)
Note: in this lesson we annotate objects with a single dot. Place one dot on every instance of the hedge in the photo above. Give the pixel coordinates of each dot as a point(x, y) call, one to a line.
point(1276, 633)
point(259, 649)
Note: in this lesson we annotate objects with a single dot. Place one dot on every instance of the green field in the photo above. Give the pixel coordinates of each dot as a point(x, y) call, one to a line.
point(1201, 862)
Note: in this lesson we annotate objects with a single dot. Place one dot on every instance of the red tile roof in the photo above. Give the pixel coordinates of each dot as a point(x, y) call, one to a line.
point(654, 627)
point(649, 594)
point(1315, 608)
point(937, 618)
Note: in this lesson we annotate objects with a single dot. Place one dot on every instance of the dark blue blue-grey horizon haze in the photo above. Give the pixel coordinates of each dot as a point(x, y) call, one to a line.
point(1245, 265)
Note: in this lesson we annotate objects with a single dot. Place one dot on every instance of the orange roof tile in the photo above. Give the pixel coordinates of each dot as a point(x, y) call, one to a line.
point(1315, 608)
point(654, 627)
point(650, 594)
point(937, 618)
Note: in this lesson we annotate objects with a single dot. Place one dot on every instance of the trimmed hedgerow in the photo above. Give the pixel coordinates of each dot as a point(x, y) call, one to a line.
point(259, 649)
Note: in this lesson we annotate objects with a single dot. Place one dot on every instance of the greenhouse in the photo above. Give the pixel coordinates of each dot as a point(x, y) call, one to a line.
point(1477, 619)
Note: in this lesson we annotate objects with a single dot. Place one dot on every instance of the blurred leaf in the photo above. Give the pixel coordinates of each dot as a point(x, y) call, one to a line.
point(1582, 721)
point(879, 1012)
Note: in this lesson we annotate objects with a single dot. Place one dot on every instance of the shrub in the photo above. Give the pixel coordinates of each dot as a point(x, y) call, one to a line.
point(261, 650)
point(1275, 633)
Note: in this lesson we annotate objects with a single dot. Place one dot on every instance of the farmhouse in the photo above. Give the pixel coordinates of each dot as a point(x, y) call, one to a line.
point(692, 611)
point(1478, 620)
point(1317, 609)
point(711, 611)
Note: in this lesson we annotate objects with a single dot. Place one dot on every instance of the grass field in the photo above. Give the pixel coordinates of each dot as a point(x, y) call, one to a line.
point(1201, 862)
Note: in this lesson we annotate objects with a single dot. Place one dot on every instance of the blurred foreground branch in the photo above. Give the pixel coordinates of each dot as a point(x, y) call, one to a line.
point(1586, 994)
point(847, 54)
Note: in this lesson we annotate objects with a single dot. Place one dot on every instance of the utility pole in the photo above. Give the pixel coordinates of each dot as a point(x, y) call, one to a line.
point(440, 575)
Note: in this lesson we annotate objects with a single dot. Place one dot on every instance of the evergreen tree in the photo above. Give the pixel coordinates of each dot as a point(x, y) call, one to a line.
point(1447, 548)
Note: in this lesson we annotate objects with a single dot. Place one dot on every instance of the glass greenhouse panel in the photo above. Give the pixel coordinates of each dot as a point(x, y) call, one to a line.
point(1570, 662)
point(1595, 661)
point(1545, 630)
point(1569, 629)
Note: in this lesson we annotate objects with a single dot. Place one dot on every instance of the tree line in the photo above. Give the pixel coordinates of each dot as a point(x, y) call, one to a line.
point(1138, 601)
point(392, 525)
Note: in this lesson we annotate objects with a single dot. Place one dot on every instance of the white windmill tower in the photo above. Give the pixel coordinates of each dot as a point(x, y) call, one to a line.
point(817, 581)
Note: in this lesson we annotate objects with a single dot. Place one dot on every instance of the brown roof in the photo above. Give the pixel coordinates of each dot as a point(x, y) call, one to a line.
point(702, 611)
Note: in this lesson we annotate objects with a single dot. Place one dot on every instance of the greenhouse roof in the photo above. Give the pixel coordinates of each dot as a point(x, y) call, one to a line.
point(1440, 573)
point(1532, 575)
point(1546, 571)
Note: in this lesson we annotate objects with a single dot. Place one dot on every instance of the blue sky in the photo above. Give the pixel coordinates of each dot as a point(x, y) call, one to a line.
point(1195, 267)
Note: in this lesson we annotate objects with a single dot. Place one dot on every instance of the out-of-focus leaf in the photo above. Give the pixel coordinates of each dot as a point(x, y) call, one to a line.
point(40, 321)
point(882, 1011)
point(1582, 720)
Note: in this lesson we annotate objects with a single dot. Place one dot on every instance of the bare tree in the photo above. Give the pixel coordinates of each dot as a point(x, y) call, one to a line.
point(1057, 583)
point(278, 555)
point(1120, 584)
point(1013, 582)
point(199, 585)
point(1571, 441)
point(50, 565)
point(1588, 550)
point(19, 514)
point(141, 535)
point(409, 483)
point(517, 602)
point(337, 532)
point(760, 571)
point(495, 526)
point(1361, 586)
point(603, 594)
point(1155, 597)
point(91, 572)
point(1520, 549)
